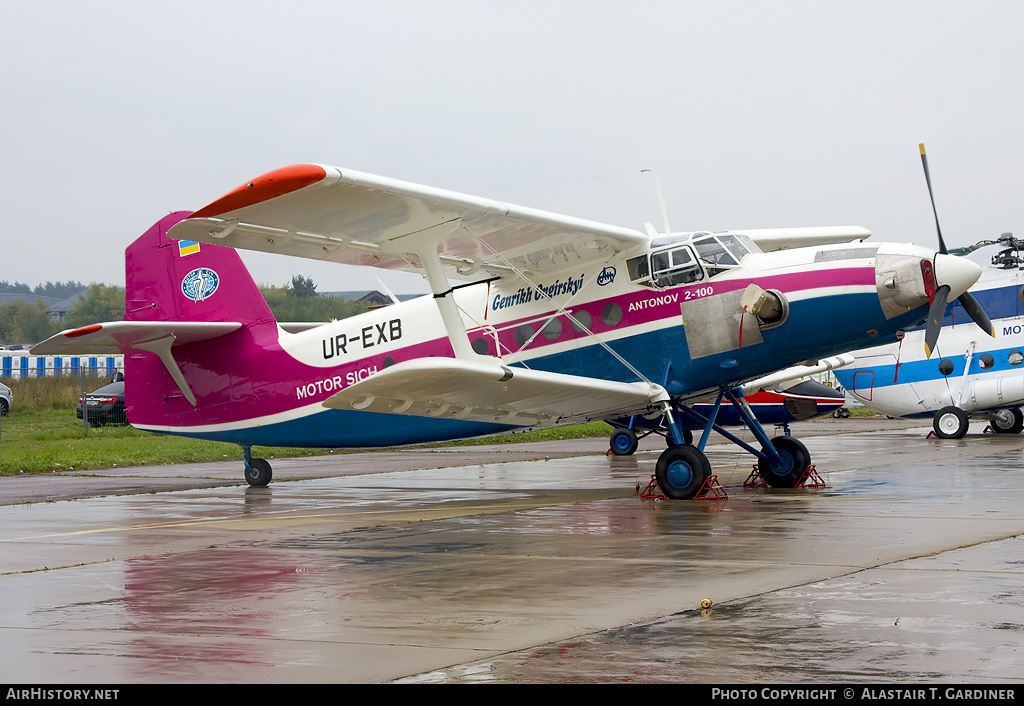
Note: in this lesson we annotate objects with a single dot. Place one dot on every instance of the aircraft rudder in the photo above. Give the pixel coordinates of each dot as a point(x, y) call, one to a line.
point(179, 280)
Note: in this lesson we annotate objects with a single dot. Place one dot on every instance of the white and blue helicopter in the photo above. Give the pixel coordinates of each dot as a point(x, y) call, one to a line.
point(975, 372)
point(970, 375)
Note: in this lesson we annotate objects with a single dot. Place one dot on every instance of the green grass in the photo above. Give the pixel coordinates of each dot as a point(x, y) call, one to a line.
point(41, 434)
point(49, 440)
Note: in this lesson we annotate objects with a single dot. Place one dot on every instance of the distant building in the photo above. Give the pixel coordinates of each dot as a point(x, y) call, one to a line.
point(8, 297)
point(60, 310)
point(369, 298)
point(56, 309)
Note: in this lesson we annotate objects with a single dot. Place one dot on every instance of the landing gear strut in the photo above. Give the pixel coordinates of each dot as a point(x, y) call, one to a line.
point(682, 469)
point(257, 470)
point(625, 440)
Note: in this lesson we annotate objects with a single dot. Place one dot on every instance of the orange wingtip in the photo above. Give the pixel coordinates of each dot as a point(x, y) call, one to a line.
point(75, 333)
point(263, 188)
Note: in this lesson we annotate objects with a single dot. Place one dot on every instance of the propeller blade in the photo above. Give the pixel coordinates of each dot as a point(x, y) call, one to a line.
point(974, 310)
point(928, 178)
point(967, 300)
point(935, 314)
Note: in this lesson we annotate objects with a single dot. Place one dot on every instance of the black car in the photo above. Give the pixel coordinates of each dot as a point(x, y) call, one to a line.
point(105, 405)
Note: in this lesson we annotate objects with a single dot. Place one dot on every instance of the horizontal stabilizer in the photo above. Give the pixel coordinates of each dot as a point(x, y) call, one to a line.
point(130, 336)
point(491, 392)
point(124, 336)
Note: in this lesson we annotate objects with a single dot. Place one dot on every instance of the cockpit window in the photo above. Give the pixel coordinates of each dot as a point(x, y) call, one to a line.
point(746, 243)
point(722, 252)
point(675, 266)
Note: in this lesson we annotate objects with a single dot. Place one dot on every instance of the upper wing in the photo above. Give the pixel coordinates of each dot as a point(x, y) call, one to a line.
point(769, 239)
point(326, 213)
point(491, 392)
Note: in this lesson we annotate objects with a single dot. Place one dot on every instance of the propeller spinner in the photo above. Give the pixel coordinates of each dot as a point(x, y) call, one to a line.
point(938, 305)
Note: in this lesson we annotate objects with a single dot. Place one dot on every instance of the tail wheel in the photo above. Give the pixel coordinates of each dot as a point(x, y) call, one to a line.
point(681, 471)
point(258, 472)
point(623, 442)
point(1008, 421)
point(950, 423)
point(794, 458)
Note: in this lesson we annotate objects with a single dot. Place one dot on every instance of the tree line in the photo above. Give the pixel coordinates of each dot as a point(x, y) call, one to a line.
point(57, 290)
point(24, 322)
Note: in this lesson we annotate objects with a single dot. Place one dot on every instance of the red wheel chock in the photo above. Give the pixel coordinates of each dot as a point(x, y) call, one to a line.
point(710, 490)
point(808, 479)
point(754, 480)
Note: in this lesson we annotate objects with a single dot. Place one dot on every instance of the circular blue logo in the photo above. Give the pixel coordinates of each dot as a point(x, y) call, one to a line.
point(200, 284)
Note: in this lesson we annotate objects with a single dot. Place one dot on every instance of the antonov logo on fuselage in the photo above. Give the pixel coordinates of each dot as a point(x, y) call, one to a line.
point(526, 295)
point(200, 284)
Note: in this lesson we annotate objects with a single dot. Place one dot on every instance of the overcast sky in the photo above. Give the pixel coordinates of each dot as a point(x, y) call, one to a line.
point(753, 114)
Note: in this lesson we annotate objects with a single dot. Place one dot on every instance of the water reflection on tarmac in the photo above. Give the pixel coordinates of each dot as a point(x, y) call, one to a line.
point(908, 567)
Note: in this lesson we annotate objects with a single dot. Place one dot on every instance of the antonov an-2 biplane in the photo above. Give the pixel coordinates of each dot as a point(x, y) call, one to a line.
point(553, 320)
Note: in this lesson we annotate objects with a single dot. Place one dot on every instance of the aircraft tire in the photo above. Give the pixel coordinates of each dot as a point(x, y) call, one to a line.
point(623, 442)
point(795, 458)
point(950, 423)
point(681, 471)
point(1008, 421)
point(258, 473)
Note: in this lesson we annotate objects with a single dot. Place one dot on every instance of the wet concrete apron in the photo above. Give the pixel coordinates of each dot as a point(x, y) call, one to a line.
point(910, 566)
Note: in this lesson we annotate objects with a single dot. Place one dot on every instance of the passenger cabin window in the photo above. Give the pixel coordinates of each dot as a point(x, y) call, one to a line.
point(675, 266)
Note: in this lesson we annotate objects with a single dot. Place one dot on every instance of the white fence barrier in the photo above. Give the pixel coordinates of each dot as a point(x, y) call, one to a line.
point(22, 366)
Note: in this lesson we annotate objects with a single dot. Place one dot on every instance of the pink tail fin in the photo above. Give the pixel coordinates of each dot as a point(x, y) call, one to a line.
point(171, 280)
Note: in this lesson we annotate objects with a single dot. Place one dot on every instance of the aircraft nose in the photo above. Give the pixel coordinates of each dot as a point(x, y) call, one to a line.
point(957, 273)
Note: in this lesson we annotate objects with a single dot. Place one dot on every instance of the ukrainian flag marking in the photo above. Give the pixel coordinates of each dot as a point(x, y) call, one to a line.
point(187, 247)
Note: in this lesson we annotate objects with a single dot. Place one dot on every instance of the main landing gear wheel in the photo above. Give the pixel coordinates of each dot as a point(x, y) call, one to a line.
point(258, 472)
point(950, 423)
point(795, 458)
point(1008, 421)
point(681, 471)
point(623, 442)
